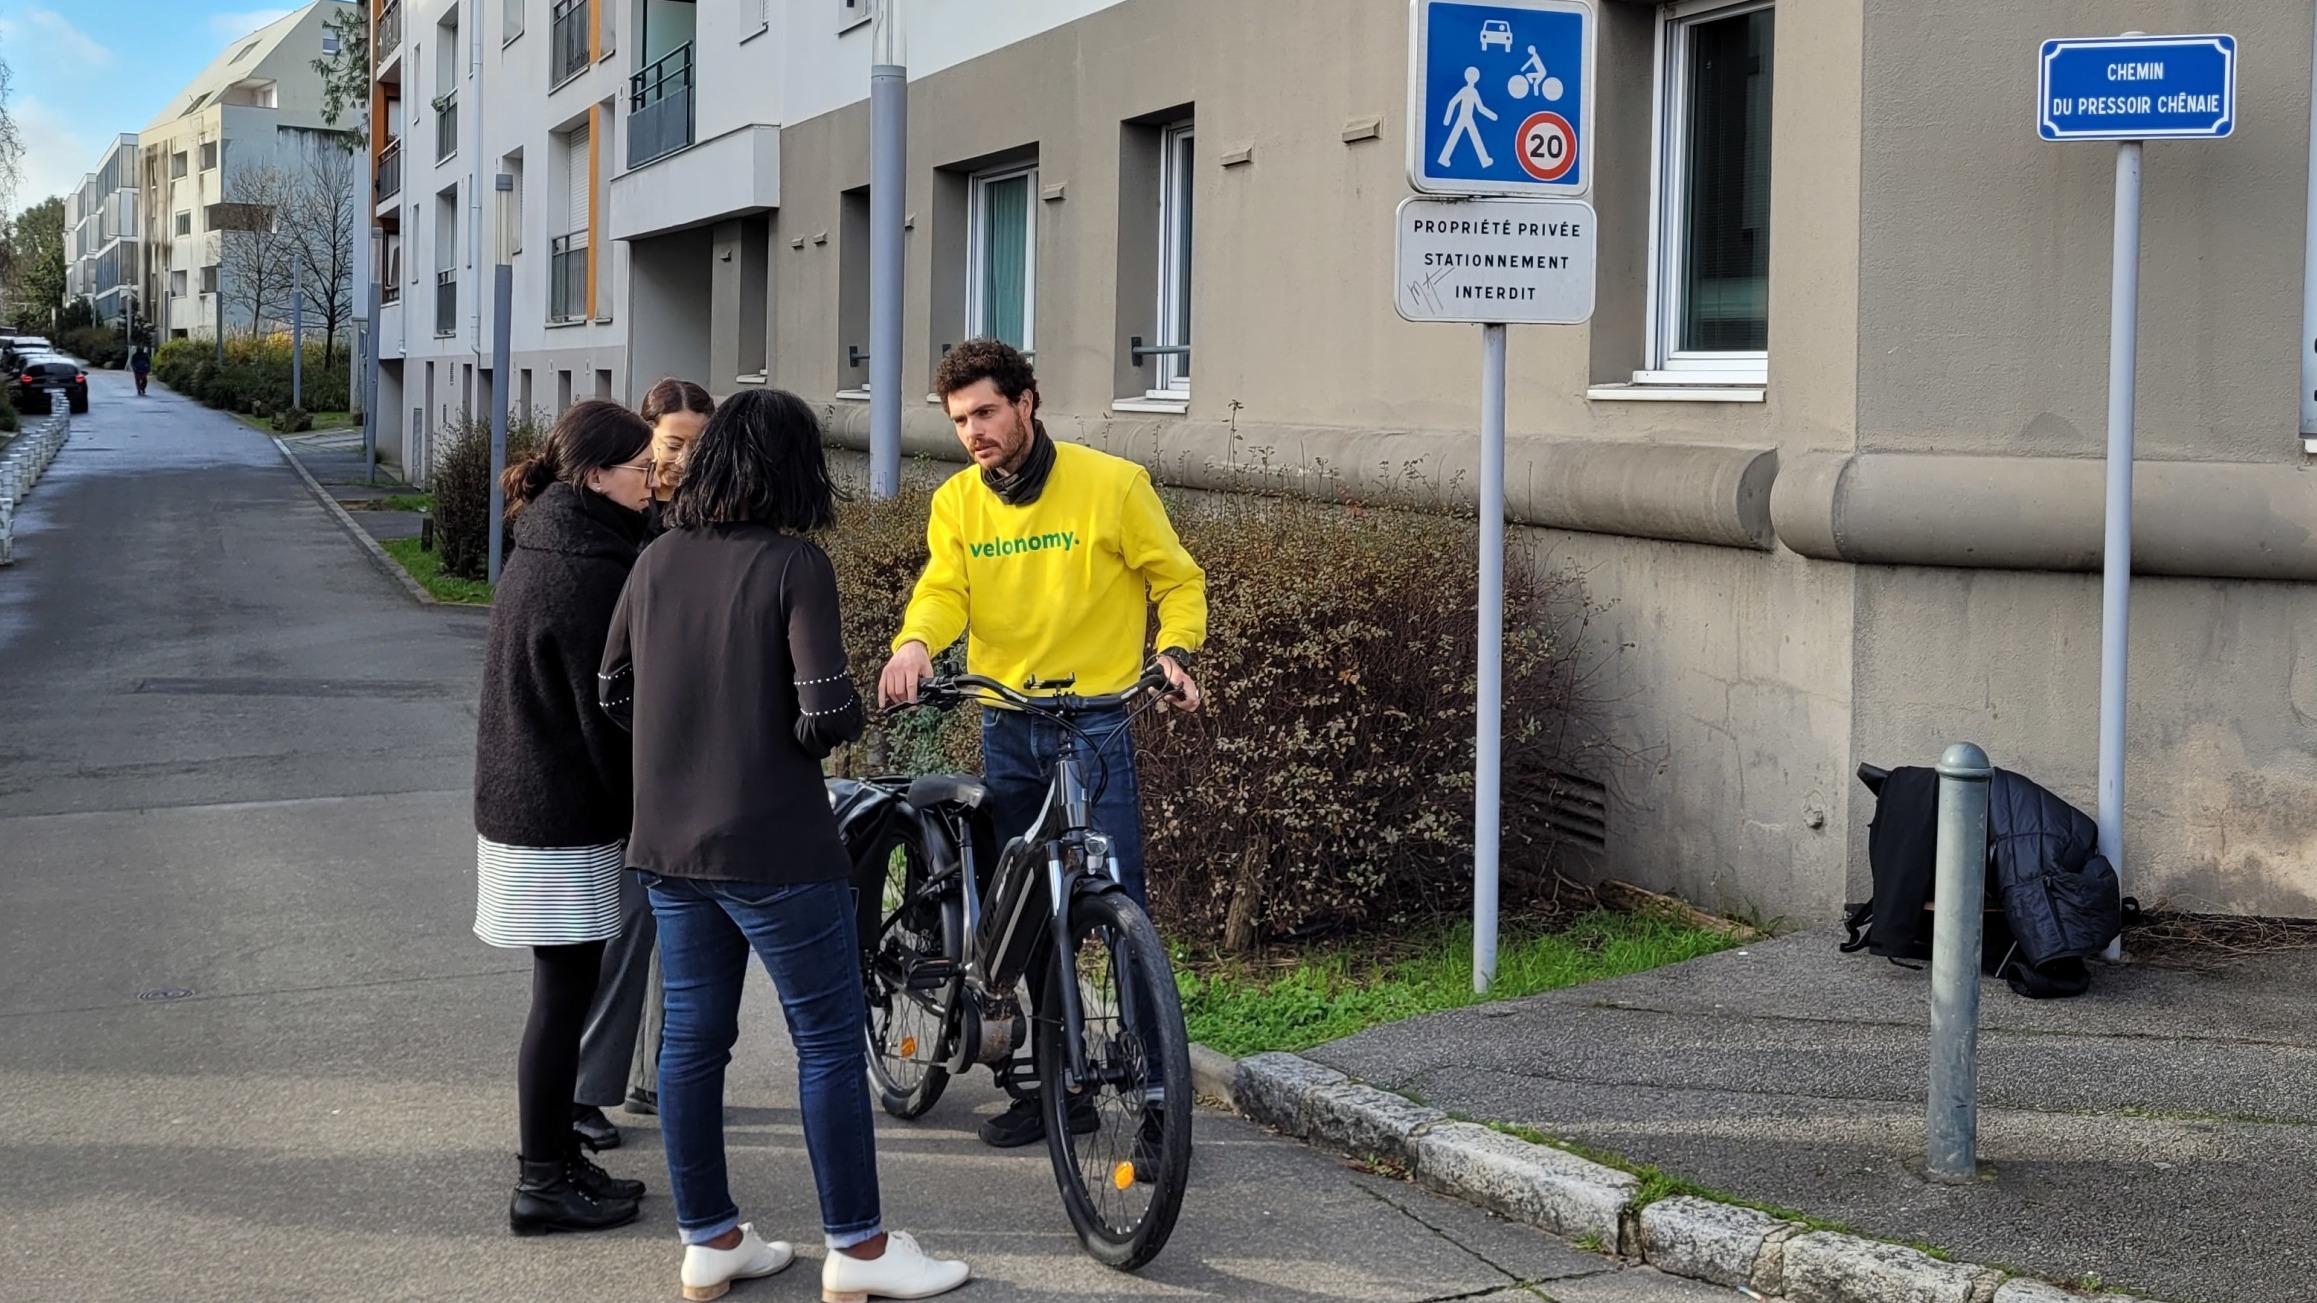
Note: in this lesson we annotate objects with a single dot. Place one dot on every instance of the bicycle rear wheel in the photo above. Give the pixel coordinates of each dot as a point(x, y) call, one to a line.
point(1122, 1184)
point(905, 1026)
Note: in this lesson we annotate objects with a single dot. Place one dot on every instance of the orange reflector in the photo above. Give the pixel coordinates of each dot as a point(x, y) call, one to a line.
point(1122, 1176)
point(908, 1047)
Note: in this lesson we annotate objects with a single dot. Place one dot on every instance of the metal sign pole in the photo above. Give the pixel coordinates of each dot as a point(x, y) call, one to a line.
point(502, 342)
point(2116, 567)
point(1488, 723)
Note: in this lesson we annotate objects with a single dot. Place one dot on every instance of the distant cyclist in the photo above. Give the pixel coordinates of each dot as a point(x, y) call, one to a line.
point(1047, 557)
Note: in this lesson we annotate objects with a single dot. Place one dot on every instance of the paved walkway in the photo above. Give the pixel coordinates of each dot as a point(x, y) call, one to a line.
point(2160, 1132)
point(234, 760)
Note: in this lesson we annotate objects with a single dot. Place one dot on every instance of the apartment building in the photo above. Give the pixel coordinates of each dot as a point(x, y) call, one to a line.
point(1828, 453)
point(256, 108)
point(466, 92)
point(101, 244)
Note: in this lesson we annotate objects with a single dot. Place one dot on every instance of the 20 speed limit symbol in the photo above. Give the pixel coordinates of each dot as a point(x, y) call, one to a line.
point(1548, 146)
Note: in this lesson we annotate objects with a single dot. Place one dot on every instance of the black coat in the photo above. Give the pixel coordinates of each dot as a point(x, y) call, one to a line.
point(2059, 894)
point(551, 769)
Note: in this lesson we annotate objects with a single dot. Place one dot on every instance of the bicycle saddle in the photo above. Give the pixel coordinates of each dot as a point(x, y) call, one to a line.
point(930, 790)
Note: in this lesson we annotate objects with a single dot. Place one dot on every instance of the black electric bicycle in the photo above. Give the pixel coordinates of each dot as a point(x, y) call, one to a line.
point(947, 943)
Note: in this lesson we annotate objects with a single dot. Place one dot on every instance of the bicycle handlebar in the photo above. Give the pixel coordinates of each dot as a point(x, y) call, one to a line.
point(959, 687)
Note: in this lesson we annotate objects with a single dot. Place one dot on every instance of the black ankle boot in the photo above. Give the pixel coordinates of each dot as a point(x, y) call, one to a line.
point(547, 1199)
point(598, 1183)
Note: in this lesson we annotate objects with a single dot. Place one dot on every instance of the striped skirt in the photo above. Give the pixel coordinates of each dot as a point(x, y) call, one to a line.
point(547, 895)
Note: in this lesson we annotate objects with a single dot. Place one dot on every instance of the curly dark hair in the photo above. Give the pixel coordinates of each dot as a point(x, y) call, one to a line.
point(758, 460)
point(993, 360)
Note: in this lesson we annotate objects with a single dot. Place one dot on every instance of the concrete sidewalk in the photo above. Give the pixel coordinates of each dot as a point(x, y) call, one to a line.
point(2156, 1133)
point(335, 460)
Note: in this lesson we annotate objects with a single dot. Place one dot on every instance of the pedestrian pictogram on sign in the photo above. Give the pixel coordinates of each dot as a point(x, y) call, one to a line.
point(1500, 96)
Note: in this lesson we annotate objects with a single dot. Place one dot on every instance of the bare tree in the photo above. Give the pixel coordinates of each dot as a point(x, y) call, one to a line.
point(320, 219)
point(257, 264)
point(11, 142)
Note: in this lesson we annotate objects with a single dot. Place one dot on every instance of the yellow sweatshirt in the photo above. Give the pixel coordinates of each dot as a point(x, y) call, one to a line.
point(1059, 587)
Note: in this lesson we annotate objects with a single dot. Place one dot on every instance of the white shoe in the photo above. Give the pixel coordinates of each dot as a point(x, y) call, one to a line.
point(709, 1273)
point(904, 1272)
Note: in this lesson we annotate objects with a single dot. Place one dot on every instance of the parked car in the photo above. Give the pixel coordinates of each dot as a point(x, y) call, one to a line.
point(39, 375)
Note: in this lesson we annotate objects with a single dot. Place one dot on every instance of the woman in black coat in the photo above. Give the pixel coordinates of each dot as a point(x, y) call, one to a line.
point(554, 785)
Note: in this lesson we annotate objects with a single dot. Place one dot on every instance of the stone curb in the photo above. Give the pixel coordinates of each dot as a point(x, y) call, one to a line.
point(1737, 1248)
point(378, 556)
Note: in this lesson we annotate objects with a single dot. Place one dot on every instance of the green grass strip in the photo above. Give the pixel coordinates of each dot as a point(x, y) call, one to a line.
point(1334, 991)
point(426, 568)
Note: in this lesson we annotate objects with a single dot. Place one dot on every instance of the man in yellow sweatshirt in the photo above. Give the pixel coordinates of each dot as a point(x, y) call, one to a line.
point(1048, 557)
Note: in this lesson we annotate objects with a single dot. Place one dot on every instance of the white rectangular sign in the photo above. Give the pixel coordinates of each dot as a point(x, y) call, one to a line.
point(1523, 262)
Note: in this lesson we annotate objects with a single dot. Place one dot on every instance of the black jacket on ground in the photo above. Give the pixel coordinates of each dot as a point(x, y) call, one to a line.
point(551, 769)
point(727, 658)
point(2058, 896)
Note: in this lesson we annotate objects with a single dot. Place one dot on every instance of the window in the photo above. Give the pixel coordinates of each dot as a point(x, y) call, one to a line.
point(1001, 257)
point(177, 283)
point(179, 164)
point(853, 13)
point(513, 23)
point(209, 279)
point(184, 223)
point(329, 40)
point(209, 156)
point(1710, 263)
point(247, 51)
point(1174, 264)
point(567, 229)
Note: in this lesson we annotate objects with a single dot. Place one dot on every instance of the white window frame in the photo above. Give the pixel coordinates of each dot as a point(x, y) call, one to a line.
point(1668, 191)
point(853, 13)
point(1174, 259)
point(976, 232)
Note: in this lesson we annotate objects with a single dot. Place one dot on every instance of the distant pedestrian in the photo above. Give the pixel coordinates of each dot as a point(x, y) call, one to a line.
point(140, 366)
point(677, 410)
point(727, 652)
point(619, 1050)
point(553, 782)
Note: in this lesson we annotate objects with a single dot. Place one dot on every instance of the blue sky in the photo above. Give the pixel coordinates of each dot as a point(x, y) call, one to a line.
point(86, 70)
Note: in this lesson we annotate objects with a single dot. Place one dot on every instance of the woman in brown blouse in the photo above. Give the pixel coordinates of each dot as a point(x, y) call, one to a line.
point(725, 659)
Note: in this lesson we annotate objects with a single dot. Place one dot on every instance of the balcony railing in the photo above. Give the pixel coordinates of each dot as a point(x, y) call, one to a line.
point(446, 125)
point(567, 277)
point(446, 302)
point(660, 107)
point(568, 44)
point(390, 171)
point(389, 29)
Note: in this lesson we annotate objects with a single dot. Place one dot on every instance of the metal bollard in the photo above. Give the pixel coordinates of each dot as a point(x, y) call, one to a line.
point(1960, 893)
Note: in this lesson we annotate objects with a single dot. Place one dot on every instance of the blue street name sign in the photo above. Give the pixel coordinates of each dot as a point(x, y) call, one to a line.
point(1500, 97)
point(2137, 87)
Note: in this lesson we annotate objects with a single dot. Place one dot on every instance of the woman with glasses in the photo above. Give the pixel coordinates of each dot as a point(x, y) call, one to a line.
point(553, 783)
point(677, 410)
point(727, 657)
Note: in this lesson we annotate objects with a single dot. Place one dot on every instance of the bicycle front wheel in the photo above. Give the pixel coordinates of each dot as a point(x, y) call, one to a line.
point(905, 1027)
point(1121, 1144)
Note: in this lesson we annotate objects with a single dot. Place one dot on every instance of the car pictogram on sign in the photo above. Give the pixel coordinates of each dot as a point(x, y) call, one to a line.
point(1496, 32)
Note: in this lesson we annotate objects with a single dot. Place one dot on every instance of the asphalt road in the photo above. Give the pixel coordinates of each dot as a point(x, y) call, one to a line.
point(234, 761)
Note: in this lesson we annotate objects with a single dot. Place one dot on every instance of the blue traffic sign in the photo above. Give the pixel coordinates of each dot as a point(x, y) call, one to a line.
point(2137, 87)
point(1500, 97)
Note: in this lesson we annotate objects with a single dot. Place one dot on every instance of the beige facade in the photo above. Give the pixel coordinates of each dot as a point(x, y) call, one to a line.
point(1890, 547)
point(1876, 532)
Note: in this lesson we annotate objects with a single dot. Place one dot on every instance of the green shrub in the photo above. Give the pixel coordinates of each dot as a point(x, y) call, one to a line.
point(1328, 786)
point(8, 421)
point(462, 487)
point(99, 346)
point(255, 376)
point(293, 420)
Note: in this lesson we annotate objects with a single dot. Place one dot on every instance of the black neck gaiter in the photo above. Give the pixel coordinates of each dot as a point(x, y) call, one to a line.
point(1022, 488)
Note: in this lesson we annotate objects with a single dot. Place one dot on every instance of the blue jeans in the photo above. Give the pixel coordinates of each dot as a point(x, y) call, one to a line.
point(1018, 753)
point(804, 935)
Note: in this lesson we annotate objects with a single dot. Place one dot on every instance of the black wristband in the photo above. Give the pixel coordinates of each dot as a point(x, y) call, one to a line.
point(1180, 657)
